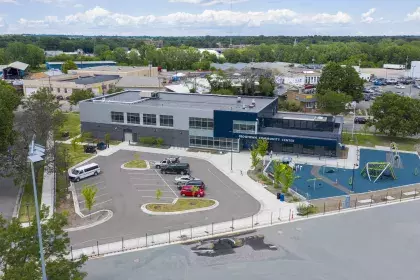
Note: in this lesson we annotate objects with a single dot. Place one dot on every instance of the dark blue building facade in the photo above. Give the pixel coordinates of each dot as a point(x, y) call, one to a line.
point(80, 64)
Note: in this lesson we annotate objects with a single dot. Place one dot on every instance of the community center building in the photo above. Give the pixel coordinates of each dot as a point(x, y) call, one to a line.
point(209, 121)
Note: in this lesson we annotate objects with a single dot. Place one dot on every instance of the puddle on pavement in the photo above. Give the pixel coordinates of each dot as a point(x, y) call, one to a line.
point(228, 245)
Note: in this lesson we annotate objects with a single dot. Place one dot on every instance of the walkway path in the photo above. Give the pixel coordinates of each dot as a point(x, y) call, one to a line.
point(48, 186)
point(315, 172)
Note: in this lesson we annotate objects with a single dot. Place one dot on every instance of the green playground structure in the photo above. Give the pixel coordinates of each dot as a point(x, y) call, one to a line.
point(376, 170)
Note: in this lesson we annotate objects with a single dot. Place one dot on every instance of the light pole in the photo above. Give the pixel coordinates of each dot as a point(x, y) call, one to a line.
point(354, 118)
point(36, 152)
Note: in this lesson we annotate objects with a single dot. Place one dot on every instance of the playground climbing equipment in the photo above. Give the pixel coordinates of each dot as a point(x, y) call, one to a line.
point(376, 170)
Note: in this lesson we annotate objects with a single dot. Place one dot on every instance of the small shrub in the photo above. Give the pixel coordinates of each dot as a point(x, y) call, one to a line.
point(159, 142)
point(150, 140)
point(304, 210)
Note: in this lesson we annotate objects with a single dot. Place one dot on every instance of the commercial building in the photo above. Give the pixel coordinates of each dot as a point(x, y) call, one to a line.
point(65, 84)
point(80, 64)
point(140, 83)
point(210, 121)
point(300, 77)
point(122, 71)
point(305, 97)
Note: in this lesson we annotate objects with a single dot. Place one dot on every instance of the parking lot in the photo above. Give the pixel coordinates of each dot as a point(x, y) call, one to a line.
point(124, 191)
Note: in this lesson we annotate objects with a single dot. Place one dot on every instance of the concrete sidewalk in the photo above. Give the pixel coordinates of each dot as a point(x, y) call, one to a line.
point(48, 185)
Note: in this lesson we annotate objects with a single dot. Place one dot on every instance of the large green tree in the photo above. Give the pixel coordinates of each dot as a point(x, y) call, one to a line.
point(9, 100)
point(396, 115)
point(79, 94)
point(19, 250)
point(340, 79)
point(333, 102)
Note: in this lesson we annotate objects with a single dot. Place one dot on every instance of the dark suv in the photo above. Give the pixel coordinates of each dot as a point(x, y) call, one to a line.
point(177, 168)
point(195, 183)
point(360, 120)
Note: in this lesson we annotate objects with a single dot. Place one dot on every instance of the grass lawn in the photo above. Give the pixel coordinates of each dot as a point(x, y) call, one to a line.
point(370, 140)
point(182, 204)
point(136, 164)
point(27, 205)
point(71, 124)
point(75, 156)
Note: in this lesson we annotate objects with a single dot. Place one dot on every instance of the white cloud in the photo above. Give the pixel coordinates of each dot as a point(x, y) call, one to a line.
point(414, 16)
point(367, 17)
point(9, 1)
point(208, 2)
point(78, 6)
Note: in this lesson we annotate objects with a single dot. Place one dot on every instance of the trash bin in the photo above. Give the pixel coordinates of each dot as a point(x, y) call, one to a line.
point(282, 197)
point(278, 195)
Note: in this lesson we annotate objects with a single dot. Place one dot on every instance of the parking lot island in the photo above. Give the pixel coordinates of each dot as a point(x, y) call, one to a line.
point(136, 165)
point(180, 206)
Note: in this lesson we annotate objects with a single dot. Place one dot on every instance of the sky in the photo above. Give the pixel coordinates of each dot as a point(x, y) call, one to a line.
point(211, 17)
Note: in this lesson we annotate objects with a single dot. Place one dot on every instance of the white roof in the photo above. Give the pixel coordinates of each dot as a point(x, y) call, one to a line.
point(138, 82)
point(178, 88)
point(18, 65)
point(86, 166)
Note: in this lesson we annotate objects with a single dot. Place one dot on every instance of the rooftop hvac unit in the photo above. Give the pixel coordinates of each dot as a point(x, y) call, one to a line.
point(251, 105)
point(253, 102)
point(238, 99)
point(244, 106)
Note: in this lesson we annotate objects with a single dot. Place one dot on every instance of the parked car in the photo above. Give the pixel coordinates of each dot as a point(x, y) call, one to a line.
point(84, 171)
point(189, 191)
point(59, 97)
point(166, 161)
point(101, 146)
point(360, 120)
point(196, 183)
point(399, 86)
point(182, 180)
point(177, 168)
point(90, 149)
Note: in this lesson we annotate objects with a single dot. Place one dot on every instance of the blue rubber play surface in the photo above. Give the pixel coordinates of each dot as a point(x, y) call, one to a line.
point(406, 175)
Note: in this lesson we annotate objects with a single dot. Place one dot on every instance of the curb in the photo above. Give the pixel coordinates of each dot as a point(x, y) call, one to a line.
point(133, 168)
point(143, 208)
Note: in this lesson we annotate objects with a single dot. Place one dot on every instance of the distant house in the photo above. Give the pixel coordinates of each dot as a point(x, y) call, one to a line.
point(80, 64)
point(305, 97)
point(14, 71)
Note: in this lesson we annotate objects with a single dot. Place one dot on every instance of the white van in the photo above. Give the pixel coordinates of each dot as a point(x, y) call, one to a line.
point(91, 169)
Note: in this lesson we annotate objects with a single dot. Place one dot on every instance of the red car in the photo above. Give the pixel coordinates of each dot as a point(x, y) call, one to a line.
point(188, 191)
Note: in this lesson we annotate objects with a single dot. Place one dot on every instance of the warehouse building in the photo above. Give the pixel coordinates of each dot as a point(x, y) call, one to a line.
point(64, 85)
point(208, 121)
point(79, 64)
point(122, 71)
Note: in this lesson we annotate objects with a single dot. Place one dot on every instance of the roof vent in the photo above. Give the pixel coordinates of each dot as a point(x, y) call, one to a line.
point(244, 106)
point(251, 105)
point(238, 99)
point(253, 102)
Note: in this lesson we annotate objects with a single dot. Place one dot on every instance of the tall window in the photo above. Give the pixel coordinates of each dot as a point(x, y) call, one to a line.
point(166, 120)
point(117, 117)
point(133, 118)
point(201, 123)
point(149, 119)
point(243, 126)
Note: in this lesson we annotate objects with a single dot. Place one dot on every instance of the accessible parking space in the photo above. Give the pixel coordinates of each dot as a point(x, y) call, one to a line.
point(123, 191)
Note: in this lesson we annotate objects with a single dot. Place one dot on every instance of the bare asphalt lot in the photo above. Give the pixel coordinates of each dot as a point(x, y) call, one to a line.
point(377, 243)
point(124, 191)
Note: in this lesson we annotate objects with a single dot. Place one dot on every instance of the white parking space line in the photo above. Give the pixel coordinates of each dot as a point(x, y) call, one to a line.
point(148, 184)
point(96, 204)
point(141, 178)
point(166, 183)
point(150, 179)
point(152, 191)
point(139, 173)
point(162, 197)
point(223, 183)
point(96, 196)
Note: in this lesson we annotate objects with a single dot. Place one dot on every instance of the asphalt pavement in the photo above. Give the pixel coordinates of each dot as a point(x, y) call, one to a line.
point(124, 191)
point(375, 243)
point(8, 196)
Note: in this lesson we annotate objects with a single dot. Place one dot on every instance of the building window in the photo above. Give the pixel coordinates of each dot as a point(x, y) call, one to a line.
point(149, 119)
point(309, 105)
point(133, 118)
point(308, 149)
point(214, 143)
point(65, 90)
point(58, 90)
point(243, 126)
point(201, 123)
point(117, 117)
point(287, 148)
point(166, 120)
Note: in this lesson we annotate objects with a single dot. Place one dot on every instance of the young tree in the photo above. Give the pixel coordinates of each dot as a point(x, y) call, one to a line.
point(9, 100)
point(68, 65)
point(283, 175)
point(74, 142)
point(396, 115)
point(19, 250)
point(89, 193)
point(107, 138)
point(333, 102)
point(262, 147)
point(80, 94)
point(255, 159)
point(158, 194)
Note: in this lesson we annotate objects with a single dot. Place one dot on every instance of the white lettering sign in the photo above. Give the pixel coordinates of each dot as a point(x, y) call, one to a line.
point(277, 139)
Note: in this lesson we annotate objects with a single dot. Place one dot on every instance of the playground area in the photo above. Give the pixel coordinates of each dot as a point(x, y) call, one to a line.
point(378, 170)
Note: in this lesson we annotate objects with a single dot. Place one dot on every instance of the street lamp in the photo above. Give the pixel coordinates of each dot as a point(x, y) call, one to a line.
point(353, 104)
point(36, 152)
